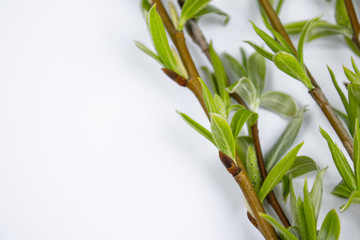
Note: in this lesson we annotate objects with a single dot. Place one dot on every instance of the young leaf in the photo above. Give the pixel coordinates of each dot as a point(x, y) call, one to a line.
point(285, 141)
point(293, 205)
point(234, 66)
point(242, 146)
point(287, 234)
point(261, 51)
point(160, 39)
point(145, 7)
point(357, 71)
point(220, 74)
point(351, 76)
point(291, 66)
point(330, 228)
point(341, 15)
point(337, 87)
point(189, 10)
point(354, 107)
point(301, 166)
point(356, 156)
point(211, 9)
point(253, 169)
point(280, 103)
point(302, 41)
point(355, 90)
point(276, 174)
point(220, 106)
point(200, 129)
point(317, 192)
point(285, 187)
point(208, 98)
point(257, 71)
point(342, 190)
point(309, 215)
point(222, 135)
point(354, 198)
point(239, 119)
point(340, 162)
point(282, 40)
point(246, 89)
point(301, 219)
point(146, 50)
point(270, 41)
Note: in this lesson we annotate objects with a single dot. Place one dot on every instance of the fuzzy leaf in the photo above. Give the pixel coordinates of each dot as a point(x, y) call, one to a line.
point(337, 87)
point(150, 53)
point(189, 10)
point(200, 129)
point(351, 75)
point(301, 166)
point(355, 90)
point(309, 215)
point(354, 198)
point(287, 234)
point(302, 38)
point(342, 190)
point(222, 135)
point(220, 106)
point(270, 41)
point(279, 170)
point(253, 169)
point(242, 146)
point(257, 71)
point(246, 89)
point(235, 66)
point(280, 103)
point(341, 15)
point(285, 141)
point(239, 119)
point(160, 40)
point(291, 66)
point(208, 98)
point(356, 156)
point(211, 9)
point(317, 192)
point(261, 51)
point(330, 228)
point(340, 162)
point(285, 187)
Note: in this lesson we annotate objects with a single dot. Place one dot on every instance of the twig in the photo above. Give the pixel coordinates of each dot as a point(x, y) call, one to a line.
point(199, 38)
point(193, 84)
point(317, 94)
point(354, 22)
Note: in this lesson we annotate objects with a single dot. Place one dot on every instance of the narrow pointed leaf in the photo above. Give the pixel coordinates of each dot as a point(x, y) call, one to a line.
point(291, 66)
point(354, 198)
point(342, 190)
point(257, 71)
point(301, 166)
point(309, 215)
point(208, 98)
point(317, 192)
point(355, 90)
point(235, 66)
point(341, 15)
point(338, 89)
point(330, 228)
point(221, 78)
point(150, 53)
point(279, 170)
point(211, 9)
point(253, 169)
point(287, 234)
point(285, 187)
point(220, 106)
point(239, 119)
point(356, 156)
point(222, 135)
point(189, 10)
point(304, 32)
point(246, 89)
point(200, 129)
point(340, 162)
point(280, 103)
point(261, 51)
point(160, 39)
point(353, 77)
point(270, 41)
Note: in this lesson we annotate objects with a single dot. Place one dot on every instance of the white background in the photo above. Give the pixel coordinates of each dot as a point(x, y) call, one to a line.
point(91, 146)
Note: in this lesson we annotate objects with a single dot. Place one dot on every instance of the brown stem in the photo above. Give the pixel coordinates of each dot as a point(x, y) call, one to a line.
point(193, 84)
point(199, 38)
point(354, 22)
point(317, 93)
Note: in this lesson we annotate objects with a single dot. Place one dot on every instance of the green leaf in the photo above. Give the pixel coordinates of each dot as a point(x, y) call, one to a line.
point(285, 187)
point(353, 77)
point(200, 129)
point(301, 166)
point(253, 169)
point(239, 119)
point(261, 51)
point(317, 192)
point(246, 89)
point(189, 10)
point(287, 234)
point(280, 103)
point(309, 214)
point(354, 198)
point(146, 50)
point(357, 71)
point(356, 153)
point(220, 74)
point(342, 190)
point(343, 117)
point(208, 98)
point(242, 146)
point(340, 162)
point(270, 42)
point(301, 219)
point(355, 90)
point(279, 170)
point(235, 66)
point(302, 41)
point(330, 228)
point(291, 66)
point(257, 71)
point(160, 40)
point(220, 106)
point(295, 27)
point(222, 135)
point(293, 205)
point(211, 9)
point(282, 40)
point(337, 87)
point(145, 6)
point(354, 107)
point(211, 77)
point(341, 15)
point(285, 141)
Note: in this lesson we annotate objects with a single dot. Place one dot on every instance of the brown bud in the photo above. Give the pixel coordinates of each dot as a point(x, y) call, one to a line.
point(229, 164)
point(175, 77)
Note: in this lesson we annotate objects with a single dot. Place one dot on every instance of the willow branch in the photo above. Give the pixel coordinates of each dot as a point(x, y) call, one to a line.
point(354, 22)
point(193, 84)
point(199, 38)
point(317, 94)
